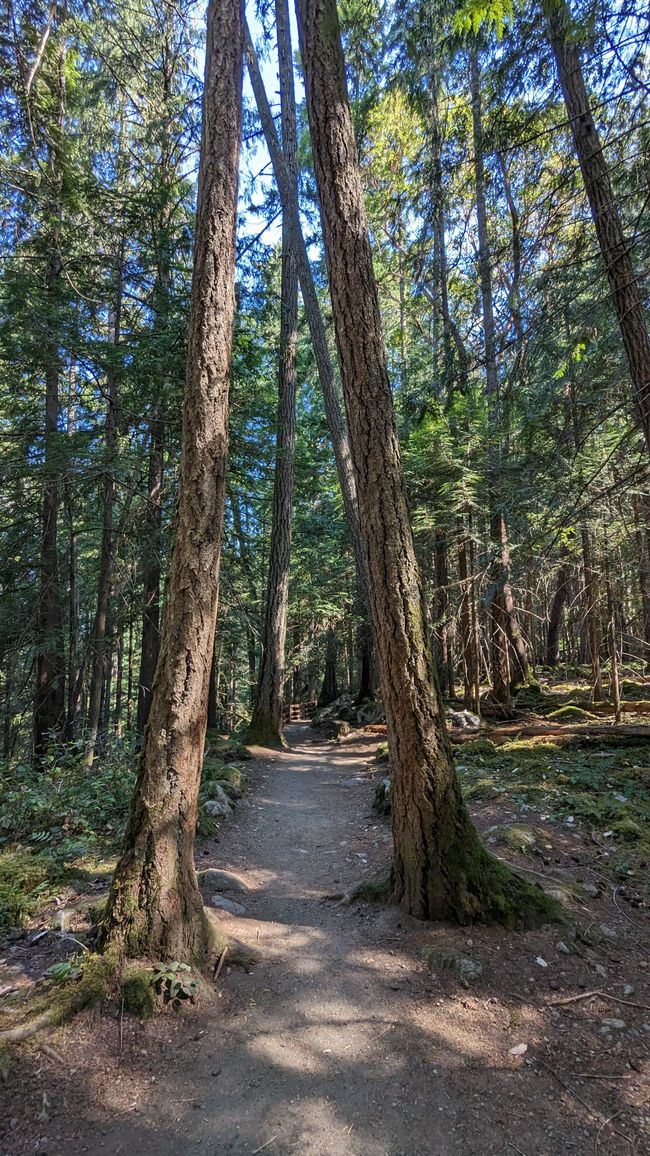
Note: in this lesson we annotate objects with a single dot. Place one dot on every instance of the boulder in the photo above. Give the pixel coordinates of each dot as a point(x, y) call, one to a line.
point(214, 880)
point(215, 807)
point(214, 792)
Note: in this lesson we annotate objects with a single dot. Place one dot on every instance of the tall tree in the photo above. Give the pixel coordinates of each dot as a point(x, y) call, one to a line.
point(614, 245)
point(440, 869)
point(266, 723)
point(154, 905)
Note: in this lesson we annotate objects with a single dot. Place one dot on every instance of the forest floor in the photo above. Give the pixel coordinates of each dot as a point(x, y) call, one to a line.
point(357, 1031)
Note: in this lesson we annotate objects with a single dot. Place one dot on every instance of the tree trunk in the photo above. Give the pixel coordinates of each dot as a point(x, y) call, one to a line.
point(266, 723)
point(326, 376)
point(442, 628)
point(506, 637)
point(155, 906)
point(151, 572)
point(440, 869)
point(614, 681)
point(49, 698)
point(556, 615)
point(99, 672)
point(329, 689)
point(592, 611)
point(471, 676)
point(641, 530)
point(614, 246)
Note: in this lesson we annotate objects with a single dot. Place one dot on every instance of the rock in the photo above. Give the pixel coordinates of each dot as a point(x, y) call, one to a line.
point(214, 793)
point(613, 1025)
point(468, 969)
point(600, 971)
point(381, 802)
point(355, 782)
point(214, 880)
point(628, 989)
point(216, 807)
point(590, 889)
point(229, 789)
point(63, 918)
point(608, 932)
point(228, 905)
point(562, 947)
point(464, 720)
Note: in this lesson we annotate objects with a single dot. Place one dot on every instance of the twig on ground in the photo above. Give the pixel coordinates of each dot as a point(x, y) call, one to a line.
point(219, 964)
point(603, 995)
point(593, 1111)
point(264, 1145)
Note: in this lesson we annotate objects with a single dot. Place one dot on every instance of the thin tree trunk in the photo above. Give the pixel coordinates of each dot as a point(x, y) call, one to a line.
point(99, 672)
point(556, 615)
point(266, 723)
point(154, 906)
point(614, 681)
point(440, 868)
point(641, 529)
point(49, 698)
point(505, 632)
point(467, 626)
point(592, 611)
point(329, 689)
point(614, 246)
point(326, 375)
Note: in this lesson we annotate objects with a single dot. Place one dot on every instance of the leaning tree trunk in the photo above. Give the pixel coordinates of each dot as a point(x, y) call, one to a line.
point(506, 636)
point(440, 868)
point(154, 906)
point(614, 246)
point(266, 723)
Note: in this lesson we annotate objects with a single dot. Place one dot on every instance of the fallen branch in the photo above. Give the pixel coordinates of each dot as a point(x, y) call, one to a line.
point(603, 995)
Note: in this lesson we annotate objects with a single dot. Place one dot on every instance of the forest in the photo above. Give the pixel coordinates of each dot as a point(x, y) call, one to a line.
point(324, 573)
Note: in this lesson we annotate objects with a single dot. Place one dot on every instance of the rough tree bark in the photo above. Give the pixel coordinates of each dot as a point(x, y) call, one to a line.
point(154, 905)
point(266, 724)
point(151, 572)
point(614, 246)
point(440, 869)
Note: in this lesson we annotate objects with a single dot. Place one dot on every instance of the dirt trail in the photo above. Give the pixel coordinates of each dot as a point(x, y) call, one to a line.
point(337, 1042)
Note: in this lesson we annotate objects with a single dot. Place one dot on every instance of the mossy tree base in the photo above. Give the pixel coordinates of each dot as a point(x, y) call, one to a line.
point(265, 732)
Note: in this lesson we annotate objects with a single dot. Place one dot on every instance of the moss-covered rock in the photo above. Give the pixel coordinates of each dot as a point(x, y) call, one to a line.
point(476, 748)
point(571, 713)
point(516, 836)
point(628, 830)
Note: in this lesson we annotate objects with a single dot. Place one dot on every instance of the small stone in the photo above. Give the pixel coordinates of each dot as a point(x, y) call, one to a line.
point(355, 782)
point(600, 970)
point(628, 989)
point(228, 905)
point(591, 890)
point(562, 947)
point(608, 932)
point(215, 807)
point(613, 1025)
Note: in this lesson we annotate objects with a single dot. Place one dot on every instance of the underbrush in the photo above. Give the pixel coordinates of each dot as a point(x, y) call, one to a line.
point(58, 823)
point(604, 787)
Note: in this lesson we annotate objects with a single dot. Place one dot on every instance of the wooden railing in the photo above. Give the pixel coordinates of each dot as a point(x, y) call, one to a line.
point(298, 711)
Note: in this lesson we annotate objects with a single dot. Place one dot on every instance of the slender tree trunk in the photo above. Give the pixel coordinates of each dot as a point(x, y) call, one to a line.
point(471, 678)
point(442, 630)
point(614, 246)
point(155, 906)
point(592, 612)
point(326, 375)
point(329, 689)
point(99, 670)
point(556, 615)
point(440, 868)
point(506, 635)
point(642, 535)
point(49, 699)
point(266, 723)
point(614, 680)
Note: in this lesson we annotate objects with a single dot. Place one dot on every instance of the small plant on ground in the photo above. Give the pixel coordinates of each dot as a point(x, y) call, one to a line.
point(174, 982)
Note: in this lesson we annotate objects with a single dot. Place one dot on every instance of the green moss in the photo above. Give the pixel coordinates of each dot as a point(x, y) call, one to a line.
point(232, 774)
point(476, 747)
point(571, 713)
point(381, 754)
point(213, 768)
point(139, 998)
point(96, 911)
point(516, 836)
point(481, 789)
point(628, 830)
point(376, 890)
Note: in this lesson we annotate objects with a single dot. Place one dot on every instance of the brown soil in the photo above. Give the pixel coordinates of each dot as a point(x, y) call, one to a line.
point(339, 1041)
